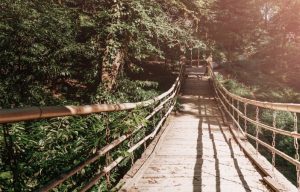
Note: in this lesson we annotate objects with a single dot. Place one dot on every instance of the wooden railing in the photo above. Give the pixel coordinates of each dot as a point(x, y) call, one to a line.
point(162, 104)
point(246, 115)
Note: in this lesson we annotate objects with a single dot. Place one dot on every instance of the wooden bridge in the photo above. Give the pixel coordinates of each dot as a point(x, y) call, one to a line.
point(204, 146)
point(198, 150)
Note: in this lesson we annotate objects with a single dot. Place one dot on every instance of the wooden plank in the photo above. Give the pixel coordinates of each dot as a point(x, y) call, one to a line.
point(273, 184)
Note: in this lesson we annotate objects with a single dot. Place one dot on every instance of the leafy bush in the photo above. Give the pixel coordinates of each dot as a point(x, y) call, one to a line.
point(235, 87)
point(284, 120)
point(286, 95)
point(44, 149)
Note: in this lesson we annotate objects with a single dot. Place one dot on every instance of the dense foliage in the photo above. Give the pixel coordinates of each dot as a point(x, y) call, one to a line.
point(47, 45)
point(64, 49)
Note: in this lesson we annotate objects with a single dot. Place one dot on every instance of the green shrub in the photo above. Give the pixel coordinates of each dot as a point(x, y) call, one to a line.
point(284, 120)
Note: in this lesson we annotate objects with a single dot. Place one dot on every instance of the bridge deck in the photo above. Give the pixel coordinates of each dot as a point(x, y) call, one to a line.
point(196, 151)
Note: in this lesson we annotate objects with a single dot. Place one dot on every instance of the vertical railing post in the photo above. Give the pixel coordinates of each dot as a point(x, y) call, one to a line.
point(228, 103)
point(238, 108)
point(257, 128)
point(107, 155)
point(296, 145)
point(245, 120)
point(130, 144)
point(274, 140)
point(232, 106)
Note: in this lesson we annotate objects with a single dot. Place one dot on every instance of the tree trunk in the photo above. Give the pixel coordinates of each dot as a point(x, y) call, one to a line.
point(114, 57)
point(112, 68)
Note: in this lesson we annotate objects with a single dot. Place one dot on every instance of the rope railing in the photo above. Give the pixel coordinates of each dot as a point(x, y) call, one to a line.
point(232, 103)
point(163, 103)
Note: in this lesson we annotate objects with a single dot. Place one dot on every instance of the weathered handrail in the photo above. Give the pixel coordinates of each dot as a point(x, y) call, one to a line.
point(34, 113)
point(228, 101)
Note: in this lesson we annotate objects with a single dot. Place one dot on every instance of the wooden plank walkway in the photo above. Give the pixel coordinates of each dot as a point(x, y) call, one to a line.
point(196, 152)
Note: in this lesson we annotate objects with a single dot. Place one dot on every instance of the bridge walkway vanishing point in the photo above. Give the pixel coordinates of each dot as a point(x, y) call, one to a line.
point(197, 151)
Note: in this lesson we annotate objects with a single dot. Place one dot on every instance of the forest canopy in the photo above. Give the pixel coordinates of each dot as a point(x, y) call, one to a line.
point(48, 44)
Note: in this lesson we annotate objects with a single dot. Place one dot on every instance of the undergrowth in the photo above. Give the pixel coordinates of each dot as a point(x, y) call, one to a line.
point(35, 152)
point(235, 87)
point(263, 81)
